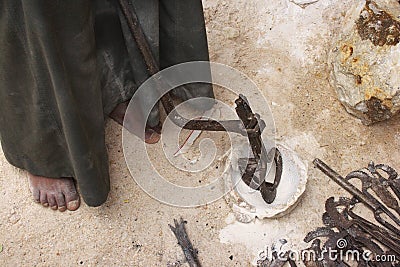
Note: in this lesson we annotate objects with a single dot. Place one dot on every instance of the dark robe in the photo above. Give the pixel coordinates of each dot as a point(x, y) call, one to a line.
point(66, 64)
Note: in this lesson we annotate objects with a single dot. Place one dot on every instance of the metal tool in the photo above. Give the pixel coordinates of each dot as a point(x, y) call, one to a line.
point(372, 179)
point(249, 125)
point(342, 224)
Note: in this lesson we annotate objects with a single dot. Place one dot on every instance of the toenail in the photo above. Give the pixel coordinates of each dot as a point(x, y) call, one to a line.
point(45, 204)
point(54, 207)
point(62, 208)
point(73, 205)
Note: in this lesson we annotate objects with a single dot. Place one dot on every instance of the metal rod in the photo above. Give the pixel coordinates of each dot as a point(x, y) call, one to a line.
point(344, 184)
point(166, 100)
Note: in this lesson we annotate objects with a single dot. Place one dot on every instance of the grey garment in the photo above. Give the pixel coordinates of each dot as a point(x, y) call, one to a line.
point(179, 36)
point(65, 64)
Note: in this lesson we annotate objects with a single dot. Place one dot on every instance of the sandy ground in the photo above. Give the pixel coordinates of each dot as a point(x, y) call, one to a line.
point(283, 48)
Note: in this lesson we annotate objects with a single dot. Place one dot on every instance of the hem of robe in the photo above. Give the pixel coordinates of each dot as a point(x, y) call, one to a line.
point(91, 170)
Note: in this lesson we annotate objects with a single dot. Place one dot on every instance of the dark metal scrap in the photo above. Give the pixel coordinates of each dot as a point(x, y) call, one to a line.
point(381, 237)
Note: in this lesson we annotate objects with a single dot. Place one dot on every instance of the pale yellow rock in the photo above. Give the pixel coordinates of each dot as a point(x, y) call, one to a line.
point(365, 61)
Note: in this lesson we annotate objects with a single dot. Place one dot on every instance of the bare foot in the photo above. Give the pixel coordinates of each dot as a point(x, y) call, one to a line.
point(152, 134)
point(59, 194)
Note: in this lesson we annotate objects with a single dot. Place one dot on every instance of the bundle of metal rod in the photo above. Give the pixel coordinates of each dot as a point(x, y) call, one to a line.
point(380, 193)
